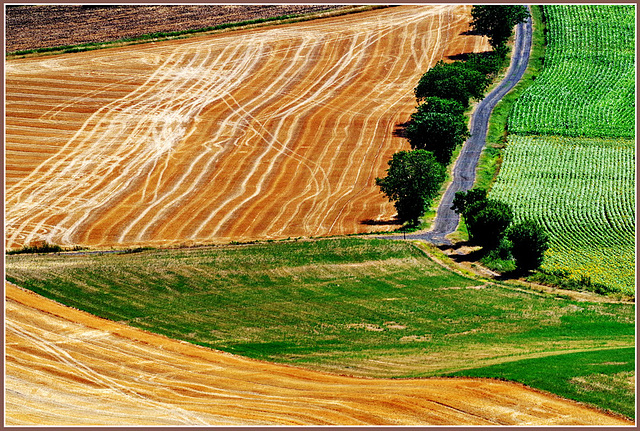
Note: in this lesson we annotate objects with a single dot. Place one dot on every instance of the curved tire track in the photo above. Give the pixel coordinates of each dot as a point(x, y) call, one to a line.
point(268, 133)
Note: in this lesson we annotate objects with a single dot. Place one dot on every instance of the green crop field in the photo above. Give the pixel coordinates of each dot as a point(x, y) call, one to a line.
point(583, 191)
point(570, 158)
point(587, 85)
point(353, 305)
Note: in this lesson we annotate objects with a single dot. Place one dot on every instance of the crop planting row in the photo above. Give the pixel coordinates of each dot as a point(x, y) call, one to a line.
point(587, 84)
point(570, 161)
point(582, 190)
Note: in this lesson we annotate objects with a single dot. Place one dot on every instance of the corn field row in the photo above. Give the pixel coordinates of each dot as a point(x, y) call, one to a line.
point(587, 85)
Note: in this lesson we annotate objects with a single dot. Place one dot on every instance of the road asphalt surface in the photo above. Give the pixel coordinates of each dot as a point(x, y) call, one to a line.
point(464, 171)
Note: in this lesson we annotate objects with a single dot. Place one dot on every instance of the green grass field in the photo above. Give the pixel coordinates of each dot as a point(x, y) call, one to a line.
point(602, 378)
point(354, 306)
point(378, 308)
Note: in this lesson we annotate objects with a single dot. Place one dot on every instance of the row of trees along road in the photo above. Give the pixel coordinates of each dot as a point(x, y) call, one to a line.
point(439, 126)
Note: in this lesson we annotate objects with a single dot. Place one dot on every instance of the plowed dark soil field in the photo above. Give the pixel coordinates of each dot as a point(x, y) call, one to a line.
point(45, 26)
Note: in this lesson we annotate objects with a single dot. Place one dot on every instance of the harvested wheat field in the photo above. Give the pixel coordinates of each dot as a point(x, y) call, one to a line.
point(66, 367)
point(267, 133)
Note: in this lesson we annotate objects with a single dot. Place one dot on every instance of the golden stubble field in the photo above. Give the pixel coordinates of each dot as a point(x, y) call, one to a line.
point(269, 133)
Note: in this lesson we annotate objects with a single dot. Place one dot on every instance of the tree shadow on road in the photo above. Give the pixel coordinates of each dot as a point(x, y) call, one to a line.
point(461, 253)
point(466, 253)
point(512, 275)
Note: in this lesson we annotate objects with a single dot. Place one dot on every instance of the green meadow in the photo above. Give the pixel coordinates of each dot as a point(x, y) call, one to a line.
point(355, 306)
point(601, 378)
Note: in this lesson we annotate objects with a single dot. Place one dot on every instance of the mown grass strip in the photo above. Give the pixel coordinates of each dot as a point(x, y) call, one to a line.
point(602, 378)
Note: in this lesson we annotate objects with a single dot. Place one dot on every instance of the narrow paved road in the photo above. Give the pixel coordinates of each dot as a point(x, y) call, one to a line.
point(464, 171)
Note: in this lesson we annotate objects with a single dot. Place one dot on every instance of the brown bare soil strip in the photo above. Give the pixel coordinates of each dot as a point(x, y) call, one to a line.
point(45, 26)
point(270, 133)
point(66, 367)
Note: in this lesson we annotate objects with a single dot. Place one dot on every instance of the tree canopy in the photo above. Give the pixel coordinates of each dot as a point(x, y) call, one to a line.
point(489, 225)
point(457, 81)
point(487, 222)
point(413, 180)
point(529, 241)
point(463, 200)
point(497, 21)
point(439, 104)
point(488, 63)
point(438, 132)
point(487, 219)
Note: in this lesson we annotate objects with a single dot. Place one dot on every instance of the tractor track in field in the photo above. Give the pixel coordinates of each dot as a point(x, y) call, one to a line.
point(76, 174)
point(268, 133)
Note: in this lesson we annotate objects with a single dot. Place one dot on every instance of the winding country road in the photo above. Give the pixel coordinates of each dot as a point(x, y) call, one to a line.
point(67, 367)
point(446, 220)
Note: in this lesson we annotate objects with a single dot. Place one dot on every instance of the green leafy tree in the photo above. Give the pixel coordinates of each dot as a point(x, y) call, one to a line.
point(465, 199)
point(487, 222)
point(488, 63)
point(438, 104)
point(438, 132)
point(497, 21)
point(486, 219)
point(529, 242)
point(455, 81)
point(413, 180)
